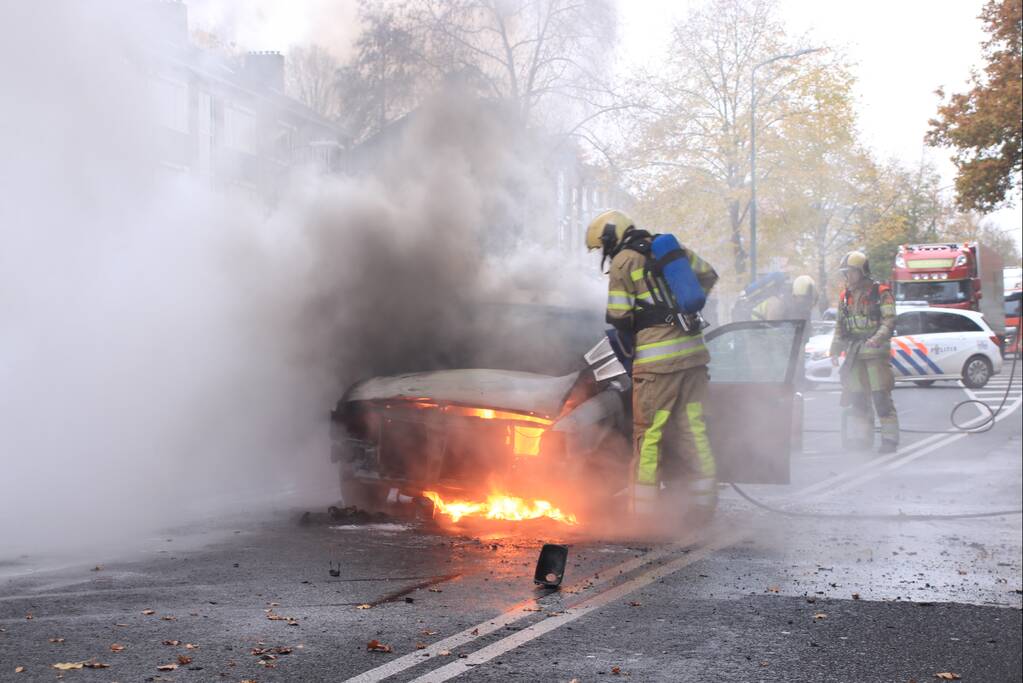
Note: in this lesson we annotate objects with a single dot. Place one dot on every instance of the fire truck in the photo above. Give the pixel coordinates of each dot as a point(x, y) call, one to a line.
point(964, 275)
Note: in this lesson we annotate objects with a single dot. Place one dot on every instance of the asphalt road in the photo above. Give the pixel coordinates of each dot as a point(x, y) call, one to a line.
point(760, 597)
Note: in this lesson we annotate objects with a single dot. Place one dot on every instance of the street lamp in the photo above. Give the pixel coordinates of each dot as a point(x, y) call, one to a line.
point(753, 152)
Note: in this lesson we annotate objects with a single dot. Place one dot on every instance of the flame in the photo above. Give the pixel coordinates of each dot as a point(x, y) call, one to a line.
point(499, 506)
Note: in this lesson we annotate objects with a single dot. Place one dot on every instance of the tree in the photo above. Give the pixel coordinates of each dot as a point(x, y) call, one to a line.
point(695, 135)
point(312, 79)
point(544, 59)
point(385, 78)
point(984, 125)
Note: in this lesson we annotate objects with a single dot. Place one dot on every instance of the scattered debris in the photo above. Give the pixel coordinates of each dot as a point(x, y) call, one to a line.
point(444, 653)
point(147, 612)
point(634, 603)
point(167, 667)
point(550, 566)
point(169, 617)
point(427, 632)
point(773, 589)
point(420, 646)
point(117, 647)
point(172, 643)
point(365, 605)
point(184, 660)
point(947, 676)
point(376, 646)
point(855, 596)
point(56, 640)
point(29, 616)
point(820, 615)
point(68, 666)
point(19, 669)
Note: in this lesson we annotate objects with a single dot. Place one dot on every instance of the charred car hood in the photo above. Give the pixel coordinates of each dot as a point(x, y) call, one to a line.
point(521, 392)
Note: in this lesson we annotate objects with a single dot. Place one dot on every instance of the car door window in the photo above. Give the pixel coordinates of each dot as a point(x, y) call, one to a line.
point(942, 323)
point(908, 323)
point(760, 352)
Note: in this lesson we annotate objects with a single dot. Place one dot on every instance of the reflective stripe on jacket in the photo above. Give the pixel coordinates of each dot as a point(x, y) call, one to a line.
point(661, 348)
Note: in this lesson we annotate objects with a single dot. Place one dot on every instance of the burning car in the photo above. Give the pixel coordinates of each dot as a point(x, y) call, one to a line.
point(504, 443)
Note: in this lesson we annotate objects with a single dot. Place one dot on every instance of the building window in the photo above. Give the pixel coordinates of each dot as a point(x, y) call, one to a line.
point(171, 101)
point(239, 129)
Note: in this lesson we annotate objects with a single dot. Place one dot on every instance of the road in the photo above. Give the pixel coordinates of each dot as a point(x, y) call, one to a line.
point(760, 597)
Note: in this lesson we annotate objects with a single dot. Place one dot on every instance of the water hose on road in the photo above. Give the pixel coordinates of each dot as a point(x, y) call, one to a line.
point(986, 425)
point(877, 517)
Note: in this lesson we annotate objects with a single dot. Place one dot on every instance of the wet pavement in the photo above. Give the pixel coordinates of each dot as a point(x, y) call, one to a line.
point(761, 597)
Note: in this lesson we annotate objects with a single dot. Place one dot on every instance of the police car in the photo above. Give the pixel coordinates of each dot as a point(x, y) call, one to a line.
point(931, 344)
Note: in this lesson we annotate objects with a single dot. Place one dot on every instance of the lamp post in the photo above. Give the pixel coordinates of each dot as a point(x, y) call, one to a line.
point(753, 152)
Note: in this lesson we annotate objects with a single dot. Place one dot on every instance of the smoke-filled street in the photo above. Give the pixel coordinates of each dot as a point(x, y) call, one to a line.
point(511, 340)
point(762, 598)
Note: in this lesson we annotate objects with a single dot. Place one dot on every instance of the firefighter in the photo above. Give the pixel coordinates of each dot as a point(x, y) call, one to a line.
point(863, 330)
point(796, 304)
point(669, 373)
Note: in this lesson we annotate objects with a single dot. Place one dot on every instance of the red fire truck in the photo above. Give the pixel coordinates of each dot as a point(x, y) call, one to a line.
point(952, 275)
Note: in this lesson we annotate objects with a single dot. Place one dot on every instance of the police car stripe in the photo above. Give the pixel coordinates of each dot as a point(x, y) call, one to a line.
point(901, 368)
point(909, 359)
point(928, 360)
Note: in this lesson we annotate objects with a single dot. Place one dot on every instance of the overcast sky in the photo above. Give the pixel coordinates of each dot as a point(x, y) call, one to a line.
point(901, 50)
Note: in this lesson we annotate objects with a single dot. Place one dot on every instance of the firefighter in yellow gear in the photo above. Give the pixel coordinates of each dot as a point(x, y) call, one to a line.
point(669, 375)
point(796, 304)
point(863, 331)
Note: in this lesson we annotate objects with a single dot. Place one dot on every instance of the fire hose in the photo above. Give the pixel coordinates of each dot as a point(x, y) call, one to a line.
point(985, 425)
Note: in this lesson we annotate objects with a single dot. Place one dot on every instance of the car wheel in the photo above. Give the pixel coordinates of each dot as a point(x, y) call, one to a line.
point(924, 382)
point(976, 372)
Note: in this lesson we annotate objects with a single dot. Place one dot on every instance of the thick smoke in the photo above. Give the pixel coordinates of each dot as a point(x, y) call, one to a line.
point(167, 351)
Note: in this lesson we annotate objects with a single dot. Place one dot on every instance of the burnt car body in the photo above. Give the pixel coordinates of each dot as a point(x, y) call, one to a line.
point(537, 434)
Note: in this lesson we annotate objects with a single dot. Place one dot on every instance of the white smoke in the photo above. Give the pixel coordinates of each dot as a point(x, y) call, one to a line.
point(168, 351)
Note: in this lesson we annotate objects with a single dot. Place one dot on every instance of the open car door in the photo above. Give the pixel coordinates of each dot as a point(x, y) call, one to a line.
point(754, 408)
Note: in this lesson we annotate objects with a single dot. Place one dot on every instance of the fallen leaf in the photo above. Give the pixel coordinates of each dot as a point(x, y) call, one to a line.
point(616, 670)
point(172, 643)
point(167, 667)
point(120, 624)
point(635, 604)
point(169, 617)
point(56, 640)
point(444, 653)
point(292, 622)
point(191, 646)
point(184, 660)
point(29, 616)
point(475, 632)
point(147, 612)
point(420, 646)
point(93, 664)
point(820, 615)
point(427, 632)
point(116, 647)
point(68, 666)
point(947, 676)
point(19, 669)
point(377, 646)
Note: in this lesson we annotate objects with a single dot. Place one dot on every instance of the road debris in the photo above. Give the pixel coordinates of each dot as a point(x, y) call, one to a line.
point(167, 667)
point(116, 647)
point(550, 566)
point(947, 676)
point(376, 646)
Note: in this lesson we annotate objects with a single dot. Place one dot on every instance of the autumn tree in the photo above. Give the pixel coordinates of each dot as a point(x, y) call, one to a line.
point(694, 138)
point(983, 125)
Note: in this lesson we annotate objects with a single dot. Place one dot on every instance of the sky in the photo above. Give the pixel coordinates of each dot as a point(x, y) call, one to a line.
point(901, 51)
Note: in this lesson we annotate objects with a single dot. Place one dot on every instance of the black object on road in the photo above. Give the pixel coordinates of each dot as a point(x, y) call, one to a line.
point(550, 567)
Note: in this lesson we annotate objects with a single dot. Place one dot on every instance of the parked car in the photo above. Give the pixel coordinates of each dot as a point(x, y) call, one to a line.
point(929, 345)
point(532, 434)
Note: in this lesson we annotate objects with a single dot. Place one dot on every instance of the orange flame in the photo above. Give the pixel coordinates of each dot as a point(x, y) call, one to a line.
point(499, 506)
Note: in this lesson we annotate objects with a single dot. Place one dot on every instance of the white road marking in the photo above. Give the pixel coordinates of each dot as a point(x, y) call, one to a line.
point(485, 654)
point(837, 483)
